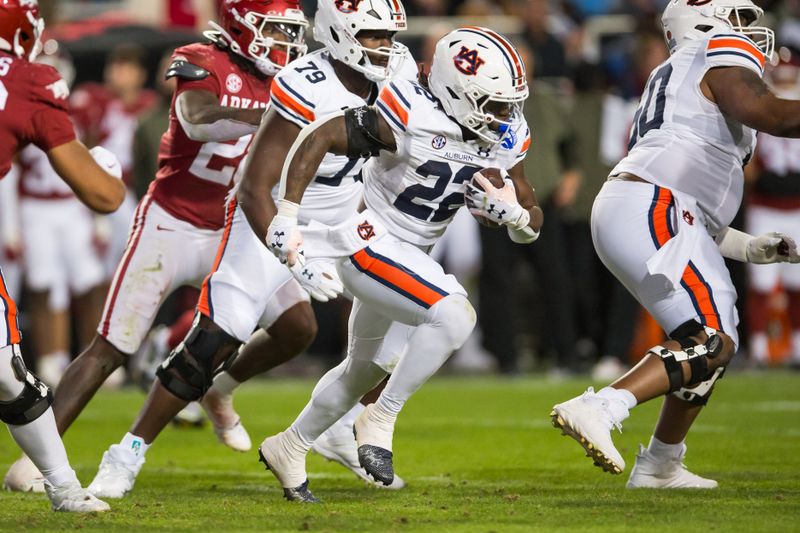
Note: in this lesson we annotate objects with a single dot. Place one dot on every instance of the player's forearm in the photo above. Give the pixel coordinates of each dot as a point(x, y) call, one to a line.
point(787, 119)
point(305, 156)
point(257, 205)
point(214, 123)
point(103, 195)
point(537, 218)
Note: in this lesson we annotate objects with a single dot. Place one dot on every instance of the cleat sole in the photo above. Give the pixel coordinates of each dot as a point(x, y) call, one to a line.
point(599, 459)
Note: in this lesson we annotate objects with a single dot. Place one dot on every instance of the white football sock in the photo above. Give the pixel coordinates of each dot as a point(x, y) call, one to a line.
point(133, 445)
point(225, 384)
point(620, 402)
point(663, 451)
point(41, 442)
point(447, 326)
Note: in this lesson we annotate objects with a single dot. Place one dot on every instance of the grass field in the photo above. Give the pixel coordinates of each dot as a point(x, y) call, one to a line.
point(478, 454)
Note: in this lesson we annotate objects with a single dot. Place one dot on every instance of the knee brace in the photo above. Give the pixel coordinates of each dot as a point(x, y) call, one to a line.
point(699, 394)
point(35, 397)
point(697, 355)
point(189, 370)
point(456, 318)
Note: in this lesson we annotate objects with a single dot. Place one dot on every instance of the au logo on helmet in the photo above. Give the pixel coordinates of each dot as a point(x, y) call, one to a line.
point(468, 61)
point(698, 3)
point(347, 6)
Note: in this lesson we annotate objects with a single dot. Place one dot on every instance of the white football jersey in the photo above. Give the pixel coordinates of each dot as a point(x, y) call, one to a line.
point(306, 90)
point(417, 190)
point(680, 140)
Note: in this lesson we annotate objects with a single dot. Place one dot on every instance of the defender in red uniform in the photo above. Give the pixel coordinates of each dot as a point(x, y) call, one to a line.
point(33, 110)
point(222, 92)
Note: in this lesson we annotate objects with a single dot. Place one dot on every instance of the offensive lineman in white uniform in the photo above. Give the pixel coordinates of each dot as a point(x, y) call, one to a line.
point(660, 224)
point(427, 145)
point(248, 288)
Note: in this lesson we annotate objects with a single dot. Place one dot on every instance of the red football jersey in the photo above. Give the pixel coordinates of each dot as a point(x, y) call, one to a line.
point(194, 178)
point(33, 108)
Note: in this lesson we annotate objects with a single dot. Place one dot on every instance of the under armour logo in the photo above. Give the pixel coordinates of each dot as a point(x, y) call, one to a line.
point(277, 239)
point(308, 274)
point(483, 151)
point(468, 61)
point(493, 211)
point(687, 216)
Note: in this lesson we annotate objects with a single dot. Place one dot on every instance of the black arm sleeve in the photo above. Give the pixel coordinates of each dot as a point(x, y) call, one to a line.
point(181, 68)
point(363, 139)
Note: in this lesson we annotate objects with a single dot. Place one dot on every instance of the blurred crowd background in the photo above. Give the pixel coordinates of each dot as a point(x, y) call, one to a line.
point(551, 307)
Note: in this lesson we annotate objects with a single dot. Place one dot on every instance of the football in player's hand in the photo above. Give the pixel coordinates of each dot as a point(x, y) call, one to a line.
point(495, 177)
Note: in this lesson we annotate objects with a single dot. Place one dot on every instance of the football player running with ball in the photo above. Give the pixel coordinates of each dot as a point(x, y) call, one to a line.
point(426, 144)
point(660, 225)
point(34, 110)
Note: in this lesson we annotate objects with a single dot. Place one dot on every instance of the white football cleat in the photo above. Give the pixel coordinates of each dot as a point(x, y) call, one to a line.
point(374, 440)
point(72, 498)
point(116, 474)
point(23, 476)
point(227, 425)
point(649, 472)
point(339, 445)
point(588, 420)
point(288, 465)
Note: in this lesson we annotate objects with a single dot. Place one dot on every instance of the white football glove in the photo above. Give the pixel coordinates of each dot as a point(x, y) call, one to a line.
point(107, 161)
point(319, 278)
point(283, 236)
point(498, 205)
point(772, 248)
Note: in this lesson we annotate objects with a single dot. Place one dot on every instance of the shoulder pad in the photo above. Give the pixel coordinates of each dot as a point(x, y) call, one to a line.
point(180, 68)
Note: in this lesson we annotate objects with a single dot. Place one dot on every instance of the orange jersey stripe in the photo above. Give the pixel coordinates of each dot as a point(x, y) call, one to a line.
point(739, 44)
point(388, 98)
point(702, 296)
point(14, 335)
point(291, 103)
point(397, 277)
point(204, 303)
point(660, 223)
point(526, 144)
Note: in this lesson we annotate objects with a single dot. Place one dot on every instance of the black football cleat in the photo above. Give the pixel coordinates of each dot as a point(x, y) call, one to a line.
point(377, 462)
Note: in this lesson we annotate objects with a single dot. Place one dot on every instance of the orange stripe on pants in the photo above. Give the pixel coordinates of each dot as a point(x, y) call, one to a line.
point(660, 222)
point(204, 303)
point(403, 281)
point(702, 296)
point(14, 335)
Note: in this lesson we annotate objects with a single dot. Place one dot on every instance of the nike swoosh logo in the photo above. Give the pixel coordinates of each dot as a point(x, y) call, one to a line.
point(161, 228)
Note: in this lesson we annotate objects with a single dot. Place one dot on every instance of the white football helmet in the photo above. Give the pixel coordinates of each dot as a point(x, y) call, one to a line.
point(337, 23)
point(473, 67)
point(687, 20)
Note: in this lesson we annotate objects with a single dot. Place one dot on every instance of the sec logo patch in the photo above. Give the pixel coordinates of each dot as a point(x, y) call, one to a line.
point(438, 142)
point(233, 83)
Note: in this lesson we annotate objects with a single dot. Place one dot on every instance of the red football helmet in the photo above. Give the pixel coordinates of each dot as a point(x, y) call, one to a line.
point(241, 28)
point(20, 28)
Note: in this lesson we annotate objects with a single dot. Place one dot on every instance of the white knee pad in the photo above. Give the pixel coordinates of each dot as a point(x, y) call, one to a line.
point(455, 317)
